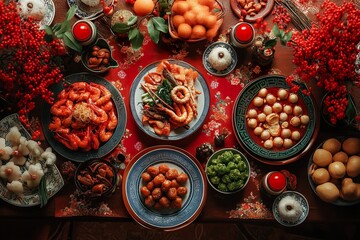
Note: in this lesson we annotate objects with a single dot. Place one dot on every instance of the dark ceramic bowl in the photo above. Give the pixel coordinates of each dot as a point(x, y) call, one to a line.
point(96, 179)
point(103, 67)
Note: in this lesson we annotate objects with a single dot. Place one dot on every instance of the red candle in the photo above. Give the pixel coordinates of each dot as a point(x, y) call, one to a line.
point(244, 33)
point(82, 31)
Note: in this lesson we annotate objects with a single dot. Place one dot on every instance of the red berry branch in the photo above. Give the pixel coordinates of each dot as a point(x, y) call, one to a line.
point(27, 64)
point(326, 54)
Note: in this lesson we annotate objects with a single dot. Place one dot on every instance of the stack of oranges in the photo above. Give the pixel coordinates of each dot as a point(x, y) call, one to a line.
point(195, 19)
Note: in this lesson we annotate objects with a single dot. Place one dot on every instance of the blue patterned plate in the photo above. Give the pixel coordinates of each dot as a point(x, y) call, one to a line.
point(105, 148)
point(260, 153)
point(179, 133)
point(54, 180)
point(176, 158)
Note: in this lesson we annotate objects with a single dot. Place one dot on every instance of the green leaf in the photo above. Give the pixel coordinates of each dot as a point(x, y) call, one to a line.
point(160, 24)
point(57, 27)
point(48, 30)
point(70, 41)
point(270, 43)
point(120, 27)
point(71, 12)
point(154, 33)
point(276, 31)
point(132, 20)
point(136, 38)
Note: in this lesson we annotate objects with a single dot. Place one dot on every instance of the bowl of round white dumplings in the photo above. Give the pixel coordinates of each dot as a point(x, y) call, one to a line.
point(279, 123)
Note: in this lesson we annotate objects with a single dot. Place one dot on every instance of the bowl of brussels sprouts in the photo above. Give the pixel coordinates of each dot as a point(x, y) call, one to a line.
point(227, 171)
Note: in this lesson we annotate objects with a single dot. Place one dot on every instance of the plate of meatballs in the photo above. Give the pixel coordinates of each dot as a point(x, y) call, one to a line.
point(273, 124)
point(164, 188)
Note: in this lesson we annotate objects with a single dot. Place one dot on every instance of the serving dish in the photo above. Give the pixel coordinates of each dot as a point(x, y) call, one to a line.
point(311, 168)
point(215, 157)
point(298, 197)
point(87, 54)
point(237, 9)
point(193, 202)
point(203, 103)
point(105, 148)
point(219, 13)
point(54, 180)
point(272, 156)
point(83, 13)
point(49, 12)
point(207, 64)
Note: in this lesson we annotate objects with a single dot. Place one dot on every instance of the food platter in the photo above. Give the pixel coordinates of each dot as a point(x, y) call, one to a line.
point(193, 202)
point(203, 104)
point(83, 14)
point(338, 202)
point(208, 66)
point(261, 14)
point(105, 148)
point(49, 12)
point(244, 137)
point(54, 180)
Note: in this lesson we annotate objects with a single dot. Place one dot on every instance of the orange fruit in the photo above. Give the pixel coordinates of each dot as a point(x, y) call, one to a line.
point(143, 7)
point(198, 31)
point(211, 33)
point(201, 18)
point(184, 30)
point(190, 18)
point(211, 21)
point(180, 7)
point(200, 9)
point(177, 20)
point(209, 3)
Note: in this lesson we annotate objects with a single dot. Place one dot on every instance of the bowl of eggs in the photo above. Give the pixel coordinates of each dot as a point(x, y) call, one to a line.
point(195, 20)
point(273, 124)
point(334, 170)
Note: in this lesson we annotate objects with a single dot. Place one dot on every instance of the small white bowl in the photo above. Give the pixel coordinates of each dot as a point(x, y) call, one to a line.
point(304, 208)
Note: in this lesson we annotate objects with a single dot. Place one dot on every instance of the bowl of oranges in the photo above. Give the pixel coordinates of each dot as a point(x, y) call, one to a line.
point(195, 20)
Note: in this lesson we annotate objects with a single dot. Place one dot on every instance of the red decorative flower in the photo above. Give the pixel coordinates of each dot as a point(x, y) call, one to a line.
point(327, 52)
point(27, 66)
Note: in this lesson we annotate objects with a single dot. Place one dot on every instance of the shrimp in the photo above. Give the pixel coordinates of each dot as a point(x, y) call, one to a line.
point(190, 114)
point(98, 115)
point(184, 92)
point(81, 142)
point(95, 143)
point(106, 95)
point(113, 121)
point(107, 106)
point(60, 109)
point(63, 94)
point(94, 92)
point(103, 134)
point(55, 124)
point(174, 116)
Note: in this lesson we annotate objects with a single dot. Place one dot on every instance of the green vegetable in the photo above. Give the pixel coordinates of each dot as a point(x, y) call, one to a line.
point(226, 157)
point(225, 179)
point(235, 185)
point(235, 174)
point(220, 168)
point(164, 90)
point(222, 187)
point(215, 180)
point(210, 171)
point(231, 165)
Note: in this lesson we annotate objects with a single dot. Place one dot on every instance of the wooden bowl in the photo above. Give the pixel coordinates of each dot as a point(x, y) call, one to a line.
point(220, 18)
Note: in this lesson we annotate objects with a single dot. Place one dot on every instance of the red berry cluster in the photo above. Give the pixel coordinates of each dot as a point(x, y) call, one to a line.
point(261, 26)
point(27, 66)
point(326, 53)
point(281, 17)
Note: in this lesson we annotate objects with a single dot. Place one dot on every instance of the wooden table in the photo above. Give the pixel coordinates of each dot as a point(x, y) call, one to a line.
point(218, 208)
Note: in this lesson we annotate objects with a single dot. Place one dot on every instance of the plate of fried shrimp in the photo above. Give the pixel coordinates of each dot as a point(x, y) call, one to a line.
point(169, 100)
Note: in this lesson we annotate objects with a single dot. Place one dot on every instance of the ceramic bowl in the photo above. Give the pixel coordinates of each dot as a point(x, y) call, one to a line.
point(220, 11)
point(96, 179)
point(88, 53)
point(235, 156)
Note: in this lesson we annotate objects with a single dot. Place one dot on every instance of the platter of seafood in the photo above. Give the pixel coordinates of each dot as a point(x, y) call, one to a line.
point(23, 166)
point(334, 171)
point(273, 124)
point(87, 119)
point(169, 100)
point(164, 188)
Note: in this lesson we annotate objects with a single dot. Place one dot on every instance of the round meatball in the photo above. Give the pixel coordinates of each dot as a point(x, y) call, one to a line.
point(283, 94)
point(263, 92)
point(258, 101)
point(252, 113)
point(293, 98)
point(270, 99)
point(252, 123)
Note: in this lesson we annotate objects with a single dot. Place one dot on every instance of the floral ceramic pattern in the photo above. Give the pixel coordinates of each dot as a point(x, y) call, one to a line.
point(54, 180)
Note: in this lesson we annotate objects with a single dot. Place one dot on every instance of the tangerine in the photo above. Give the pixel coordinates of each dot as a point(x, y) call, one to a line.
point(180, 7)
point(209, 3)
point(210, 21)
point(177, 20)
point(184, 30)
point(190, 18)
point(143, 7)
point(211, 33)
point(198, 31)
point(201, 18)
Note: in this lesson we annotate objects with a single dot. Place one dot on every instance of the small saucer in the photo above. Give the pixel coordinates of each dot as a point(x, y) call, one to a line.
point(297, 197)
point(208, 66)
